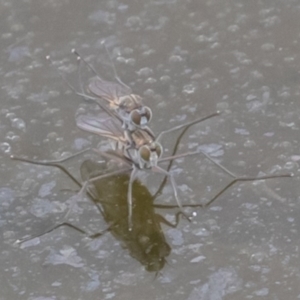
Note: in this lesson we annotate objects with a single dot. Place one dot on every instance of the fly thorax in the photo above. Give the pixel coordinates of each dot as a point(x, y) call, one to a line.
point(128, 102)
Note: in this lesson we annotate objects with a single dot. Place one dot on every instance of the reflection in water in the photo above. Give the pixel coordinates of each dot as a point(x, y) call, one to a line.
point(145, 241)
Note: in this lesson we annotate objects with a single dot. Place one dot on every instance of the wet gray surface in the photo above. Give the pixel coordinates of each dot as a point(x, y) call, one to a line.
point(188, 59)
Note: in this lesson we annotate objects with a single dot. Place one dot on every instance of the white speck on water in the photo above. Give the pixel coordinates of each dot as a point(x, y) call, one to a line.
point(165, 79)
point(223, 282)
point(175, 59)
point(67, 256)
point(295, 157)
point(56, 284)
point(150, 80)
point(268, 47)
point(188, 89)
point(215, 208)
point(41, 207)
point(176, 236)
point(29, 243)
point(7, 196)
point(250, 144)
point(11, 136)
point(5, 147)
point(18, 123)
point(18, 53)
point(198, 259)
point(269, 134)
point(201, 232)
point(233, 28)
point(262, 292)
point(134, 23)
point(46, 189)
point(81, 143)
point(101, 16)
point(214, 150)
point(145, 72)
point(241, 131)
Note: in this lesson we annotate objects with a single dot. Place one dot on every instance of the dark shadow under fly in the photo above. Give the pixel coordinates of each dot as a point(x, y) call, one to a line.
point(145, 240)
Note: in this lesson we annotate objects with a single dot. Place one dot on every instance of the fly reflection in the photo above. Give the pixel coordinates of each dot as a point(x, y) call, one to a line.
point(145, 241)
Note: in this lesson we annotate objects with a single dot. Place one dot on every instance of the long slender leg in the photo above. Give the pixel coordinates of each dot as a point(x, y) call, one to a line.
point(236, 179)
point(54, 163)
point(50, 229)
point(171, 161)
point(80, 58)
point(79, 74)
point(174, 186)
point(174, 157)
point(226, 171)
point(49, 162)
point(114, 68)
point(187, 124)
point(129, 196)
point(161, 219)
point(230, 184)
point(240, 179)
point(90, 180)
point(73, 201)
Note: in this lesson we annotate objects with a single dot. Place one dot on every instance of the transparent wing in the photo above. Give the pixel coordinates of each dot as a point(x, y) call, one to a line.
point(108, 90)
point(102, 125)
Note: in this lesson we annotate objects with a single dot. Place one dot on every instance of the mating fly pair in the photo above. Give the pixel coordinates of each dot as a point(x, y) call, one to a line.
point(126, 124)
point(125, 121)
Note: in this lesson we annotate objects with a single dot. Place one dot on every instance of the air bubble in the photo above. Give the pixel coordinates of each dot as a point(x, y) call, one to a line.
point(12, 136)
point(134, 22)
point(5, 147)
point(290, 165)
point(188, 89)
point(145, 72)
point(18, 123)
point(10, 115)
point(130, 62)
point(165, 79)
point(222, 106)
point(250, 144)
point(150, 80)
point(121, 59)
point(175, 59)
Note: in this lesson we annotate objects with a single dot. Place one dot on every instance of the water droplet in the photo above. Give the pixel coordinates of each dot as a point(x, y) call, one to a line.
point(145, 72)
point(130, 62)
point(291, 165)
point(149, 93)
point(175, 59)
point(188, 89)
point(5, 147)
point(134, 22)
point(18, 123)
point(268, 46)
point(233, 28)
point(250, 144)
point(10, 115)
point(165, 79)
point(222, 106)
point(150, 80)
point(12, 136)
